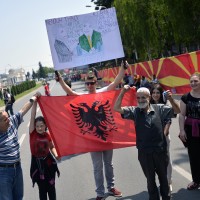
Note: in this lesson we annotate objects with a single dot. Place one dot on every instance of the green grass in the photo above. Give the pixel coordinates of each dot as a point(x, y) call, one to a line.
point(23, 93)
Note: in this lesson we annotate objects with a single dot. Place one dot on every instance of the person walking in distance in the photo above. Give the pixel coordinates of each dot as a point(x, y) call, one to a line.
point(189, 124)
point(150, 138)
point(11, 178)
point(103, 158)
point(46, 89)
point(8, 102)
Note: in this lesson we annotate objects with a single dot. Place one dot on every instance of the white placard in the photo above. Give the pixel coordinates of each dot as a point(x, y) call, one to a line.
point(84, 39)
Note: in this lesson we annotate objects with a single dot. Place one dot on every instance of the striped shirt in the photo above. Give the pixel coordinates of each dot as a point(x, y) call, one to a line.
point(9, 145)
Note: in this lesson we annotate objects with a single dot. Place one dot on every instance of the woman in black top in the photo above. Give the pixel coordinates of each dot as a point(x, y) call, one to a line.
point(189, 123)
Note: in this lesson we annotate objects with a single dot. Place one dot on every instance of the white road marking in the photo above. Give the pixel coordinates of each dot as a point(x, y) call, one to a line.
point(22, 139)
point(182, 172)
point(28, 124)
point(52, 86)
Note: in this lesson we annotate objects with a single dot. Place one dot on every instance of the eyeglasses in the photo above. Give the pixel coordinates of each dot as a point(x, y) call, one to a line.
point(90, 83)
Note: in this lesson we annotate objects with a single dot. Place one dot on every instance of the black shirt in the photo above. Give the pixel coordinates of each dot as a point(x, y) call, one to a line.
point(192, 106)
point(149, 126)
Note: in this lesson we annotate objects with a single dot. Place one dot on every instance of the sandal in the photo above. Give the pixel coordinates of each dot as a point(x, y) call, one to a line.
point(193, 186)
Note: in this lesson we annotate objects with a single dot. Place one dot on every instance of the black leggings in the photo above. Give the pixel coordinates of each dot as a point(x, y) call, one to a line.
point(193, 153)
point(46, 188)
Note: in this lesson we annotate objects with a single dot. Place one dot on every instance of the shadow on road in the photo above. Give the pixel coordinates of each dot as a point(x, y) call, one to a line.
point(181, 158)
point(140, 196)
point(183, 194)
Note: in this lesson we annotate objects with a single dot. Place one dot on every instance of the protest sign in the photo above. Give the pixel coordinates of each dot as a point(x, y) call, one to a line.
point(84, 39)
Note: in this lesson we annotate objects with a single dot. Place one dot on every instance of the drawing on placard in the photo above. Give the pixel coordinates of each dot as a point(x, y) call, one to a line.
point(89, 42)
point(63, 52)
point(84, 39)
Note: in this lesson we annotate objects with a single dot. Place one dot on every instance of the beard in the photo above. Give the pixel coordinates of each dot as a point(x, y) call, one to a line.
point(143, 105)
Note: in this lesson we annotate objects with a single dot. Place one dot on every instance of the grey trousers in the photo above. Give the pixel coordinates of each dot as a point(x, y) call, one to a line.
point(100, 159)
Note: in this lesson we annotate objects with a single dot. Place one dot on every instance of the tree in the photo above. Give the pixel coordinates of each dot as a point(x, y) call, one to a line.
point(41, 72)
point(185, 19)
point(106, 3)
point(27, 75)
point(154, 28)
point(34, 75)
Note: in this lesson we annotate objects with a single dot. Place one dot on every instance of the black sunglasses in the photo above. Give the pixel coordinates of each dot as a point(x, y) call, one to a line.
point(90, 83)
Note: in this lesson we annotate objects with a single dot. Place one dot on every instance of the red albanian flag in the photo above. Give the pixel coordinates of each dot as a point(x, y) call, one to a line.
point(87, 123)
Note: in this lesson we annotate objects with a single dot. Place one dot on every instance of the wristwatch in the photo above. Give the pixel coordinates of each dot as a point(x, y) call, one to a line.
point(31, 100)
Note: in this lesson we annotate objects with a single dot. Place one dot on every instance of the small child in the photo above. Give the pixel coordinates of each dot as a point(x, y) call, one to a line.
point(46, 89)
point(43, 164)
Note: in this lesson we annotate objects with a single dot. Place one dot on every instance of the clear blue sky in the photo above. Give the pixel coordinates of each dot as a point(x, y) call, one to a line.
point(23, 36)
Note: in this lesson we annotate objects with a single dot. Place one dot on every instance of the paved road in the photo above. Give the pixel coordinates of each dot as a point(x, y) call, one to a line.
point(77, 182)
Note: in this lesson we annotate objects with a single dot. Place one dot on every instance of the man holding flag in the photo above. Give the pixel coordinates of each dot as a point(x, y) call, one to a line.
point(98, 158)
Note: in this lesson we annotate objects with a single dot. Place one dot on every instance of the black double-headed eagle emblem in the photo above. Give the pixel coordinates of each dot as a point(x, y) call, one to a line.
point(97, 119)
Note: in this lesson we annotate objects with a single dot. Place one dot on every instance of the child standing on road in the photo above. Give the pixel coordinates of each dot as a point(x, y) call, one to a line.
point(43, 164)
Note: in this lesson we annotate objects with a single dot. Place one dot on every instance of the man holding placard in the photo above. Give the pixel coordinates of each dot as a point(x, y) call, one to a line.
point(103, 158)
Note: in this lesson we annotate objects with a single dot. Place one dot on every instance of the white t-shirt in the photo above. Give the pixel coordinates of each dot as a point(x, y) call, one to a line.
point(104, 89)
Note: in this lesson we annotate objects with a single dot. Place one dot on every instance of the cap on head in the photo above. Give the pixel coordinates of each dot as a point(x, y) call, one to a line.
point(143, 90)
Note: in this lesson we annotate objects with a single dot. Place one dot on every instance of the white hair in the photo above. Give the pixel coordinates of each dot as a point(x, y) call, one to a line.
point(144, 90)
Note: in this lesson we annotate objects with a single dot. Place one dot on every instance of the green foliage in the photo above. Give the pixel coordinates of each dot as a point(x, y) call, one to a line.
point(35, 86)
point(34, 74)
point(106, 3)
point(17, 89)
point(155, 27)
point(43, 71)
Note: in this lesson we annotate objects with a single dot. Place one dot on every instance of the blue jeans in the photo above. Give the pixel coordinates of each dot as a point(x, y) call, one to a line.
point(11, 183)
point(98, 158)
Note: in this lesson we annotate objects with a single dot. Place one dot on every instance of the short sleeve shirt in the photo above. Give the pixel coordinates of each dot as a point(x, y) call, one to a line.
point(104, 89)
point(192, 106)
point(149, 126)
point(40, 144)
point(9, 144)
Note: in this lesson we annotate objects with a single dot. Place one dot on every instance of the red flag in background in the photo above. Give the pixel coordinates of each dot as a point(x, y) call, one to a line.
point(88, 122)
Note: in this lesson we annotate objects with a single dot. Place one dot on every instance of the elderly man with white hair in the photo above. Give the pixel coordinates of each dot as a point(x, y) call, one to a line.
point(150, 139)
